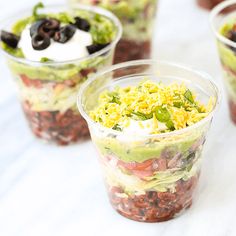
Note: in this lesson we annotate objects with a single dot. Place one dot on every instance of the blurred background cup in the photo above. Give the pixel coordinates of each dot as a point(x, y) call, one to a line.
point(222, 19)
point(137, 18)
point(208, 4)
point(161, 186)
point(48, 90)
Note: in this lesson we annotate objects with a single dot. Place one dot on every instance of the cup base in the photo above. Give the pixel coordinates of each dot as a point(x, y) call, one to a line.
point(163, 219)
point(154, 206)
point(56, 127)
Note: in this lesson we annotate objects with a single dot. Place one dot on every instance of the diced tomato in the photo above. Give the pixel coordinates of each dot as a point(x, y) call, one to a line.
point(142, 174)
point(31, 82)
point(144, 169)
point(137, 166)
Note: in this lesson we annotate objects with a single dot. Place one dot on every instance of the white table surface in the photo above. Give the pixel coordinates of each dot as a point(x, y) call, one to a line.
point(47, 190)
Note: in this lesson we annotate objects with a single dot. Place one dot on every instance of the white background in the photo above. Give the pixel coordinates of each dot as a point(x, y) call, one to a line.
point(47, 190)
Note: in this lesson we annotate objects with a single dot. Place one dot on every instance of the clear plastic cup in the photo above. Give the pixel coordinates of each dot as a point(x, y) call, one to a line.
point(137, 18)
point(149, 178)
point(48, 90)
point(226, 49)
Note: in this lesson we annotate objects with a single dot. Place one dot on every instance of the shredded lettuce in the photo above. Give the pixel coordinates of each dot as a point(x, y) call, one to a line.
point(161, 181)
point(50, 97)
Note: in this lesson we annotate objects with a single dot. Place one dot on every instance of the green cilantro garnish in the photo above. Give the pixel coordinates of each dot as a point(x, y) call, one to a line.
point(36, 8)
point(45, 59)
point(117, 127)
point(115, 99)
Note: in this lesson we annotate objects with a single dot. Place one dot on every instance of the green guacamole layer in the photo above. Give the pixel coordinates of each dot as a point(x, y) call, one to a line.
point(140, 152)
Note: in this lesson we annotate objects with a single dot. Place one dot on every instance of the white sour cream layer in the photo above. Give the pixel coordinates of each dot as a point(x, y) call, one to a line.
point(136, 129)
point(74, 48)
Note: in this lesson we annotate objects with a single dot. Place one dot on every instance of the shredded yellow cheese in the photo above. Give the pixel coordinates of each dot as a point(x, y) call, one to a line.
point(174, 104)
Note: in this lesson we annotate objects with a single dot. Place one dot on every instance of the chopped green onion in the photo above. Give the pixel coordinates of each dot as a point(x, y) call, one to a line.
point(142, 116)
point(162, 114)
point(188, 95)
point(178, 104)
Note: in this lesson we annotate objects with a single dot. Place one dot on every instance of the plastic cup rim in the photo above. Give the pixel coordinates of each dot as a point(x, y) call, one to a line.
point(202, 74)
point(79, 6)
point(214, 13)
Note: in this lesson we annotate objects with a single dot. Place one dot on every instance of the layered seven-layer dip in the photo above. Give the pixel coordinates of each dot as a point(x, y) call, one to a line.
point(228, 61)
point(137, 19)
point(56, 49)
point(149, 177)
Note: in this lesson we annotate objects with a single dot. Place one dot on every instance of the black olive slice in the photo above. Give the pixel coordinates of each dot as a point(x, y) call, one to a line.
point(46, 27)
point(96, 47)
point(40, 42)
point(52, 24)
point(10, 39)
point(50, 27)
point(82, 24)
point(64, 34)
point(35, 27)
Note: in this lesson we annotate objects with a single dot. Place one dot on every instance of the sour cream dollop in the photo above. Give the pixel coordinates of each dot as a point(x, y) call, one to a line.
point(136, 129)
point(74, 48)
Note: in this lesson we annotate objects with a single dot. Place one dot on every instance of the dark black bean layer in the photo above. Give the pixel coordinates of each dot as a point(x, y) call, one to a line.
point(154, 206)
point(62, 128)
